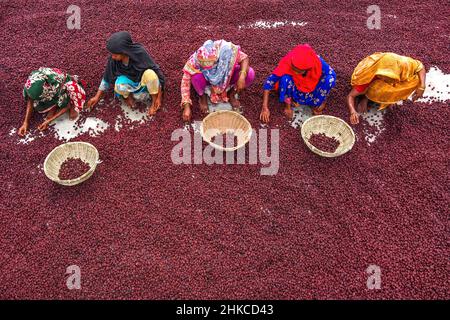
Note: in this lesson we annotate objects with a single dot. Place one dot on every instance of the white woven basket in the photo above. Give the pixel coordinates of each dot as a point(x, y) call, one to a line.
point(82, 150)
point(332, 127)
point(222, 122)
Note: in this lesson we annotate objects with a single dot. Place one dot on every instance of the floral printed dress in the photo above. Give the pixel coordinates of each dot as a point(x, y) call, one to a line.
point(48, 87)
point(289, 93)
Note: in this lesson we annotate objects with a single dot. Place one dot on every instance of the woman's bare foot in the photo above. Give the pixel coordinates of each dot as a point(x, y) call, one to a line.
point(362, 105)
point(203, 103)
point(73, 114)
point(288, 112)
point(235, 103)
point(130, 100)
point(319, 110)
point(152, 110)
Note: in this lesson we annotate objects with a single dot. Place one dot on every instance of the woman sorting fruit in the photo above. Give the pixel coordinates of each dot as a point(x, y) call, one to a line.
point(54, 92)
point(132, 72)
point(301, 78)
point(385, 78)
point(218, 68)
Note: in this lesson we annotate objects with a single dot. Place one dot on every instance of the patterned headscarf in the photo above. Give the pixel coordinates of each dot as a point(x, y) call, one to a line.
point(207, 55)
point(216, 61)
point(48, 87)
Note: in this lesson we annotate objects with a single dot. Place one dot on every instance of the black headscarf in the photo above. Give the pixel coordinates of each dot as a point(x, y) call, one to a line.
point(140, 60)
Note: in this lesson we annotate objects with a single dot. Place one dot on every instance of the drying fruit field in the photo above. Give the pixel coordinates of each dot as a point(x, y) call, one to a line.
point(145, 228)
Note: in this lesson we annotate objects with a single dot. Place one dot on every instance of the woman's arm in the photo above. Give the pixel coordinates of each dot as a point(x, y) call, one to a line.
point(26, 122)
point(351, 101)
point(422, 76)
point(265, 113)
point(186, 101)
point(268, 86)
point(100, 92)
point(240, 85)
point(95, 99)
point(44, 125)
point(421, 89)
point(186, 89)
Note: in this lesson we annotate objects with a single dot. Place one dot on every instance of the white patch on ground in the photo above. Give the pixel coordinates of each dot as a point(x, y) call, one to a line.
point(134, 115)
point(391, 16)
point(94, 126)
point(437, 88)
point(301, 114)
point(212, 107)
point(30, 137)
point(66, 129)
point(118, 124)
point(374, 119)
point(196, 126)
point(262, 24)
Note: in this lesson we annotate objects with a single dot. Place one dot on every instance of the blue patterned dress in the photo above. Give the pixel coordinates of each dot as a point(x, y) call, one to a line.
point(289, 93)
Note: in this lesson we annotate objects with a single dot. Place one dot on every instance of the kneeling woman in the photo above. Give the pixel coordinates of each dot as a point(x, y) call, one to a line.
point(385, 79)
point(132, 71)
point(219, 67)
point(52, 91)
point(301, 78)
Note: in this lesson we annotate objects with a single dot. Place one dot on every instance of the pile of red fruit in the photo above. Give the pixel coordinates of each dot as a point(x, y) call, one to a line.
point(323, 142)
point(73, 168)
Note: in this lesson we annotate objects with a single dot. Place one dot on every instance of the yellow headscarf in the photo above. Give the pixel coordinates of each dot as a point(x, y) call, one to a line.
point(392, 77)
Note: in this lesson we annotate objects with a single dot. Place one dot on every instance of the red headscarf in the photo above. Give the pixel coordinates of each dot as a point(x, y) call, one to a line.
point(305, 58)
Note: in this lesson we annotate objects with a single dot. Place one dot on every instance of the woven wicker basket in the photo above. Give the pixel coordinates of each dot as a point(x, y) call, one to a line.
point(224, 121)
point(82, 150)
point(332, 127)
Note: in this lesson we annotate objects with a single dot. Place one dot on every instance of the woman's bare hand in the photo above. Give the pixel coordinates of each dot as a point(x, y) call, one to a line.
point(265, 115)
point(23, 130)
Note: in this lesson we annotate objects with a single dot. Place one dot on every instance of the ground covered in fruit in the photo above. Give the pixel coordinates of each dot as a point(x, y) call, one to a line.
point(143, 227)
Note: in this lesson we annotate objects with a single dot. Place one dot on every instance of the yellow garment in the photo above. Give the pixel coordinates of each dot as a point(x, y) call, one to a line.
point(392, 77)
point(149, 78)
